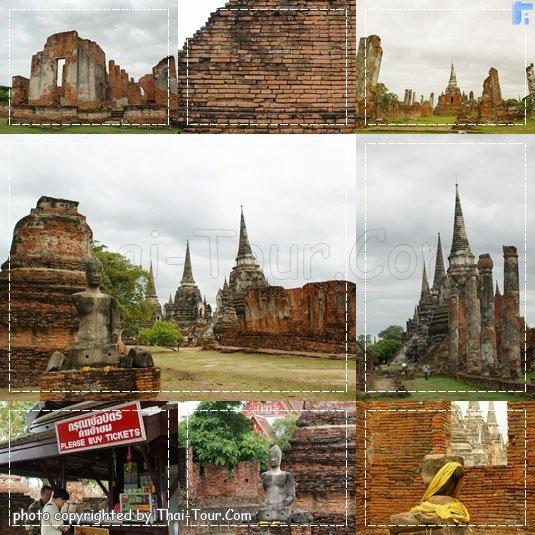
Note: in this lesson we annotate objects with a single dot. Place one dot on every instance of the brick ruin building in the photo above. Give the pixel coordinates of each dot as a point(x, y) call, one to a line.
point(376, 105)
point(188, 309)
point(271, 66)
point(252, 314)
point(321, 448)
point(460, 323)
point(70, 82)
point(476, 439)
point(47, 253)
point(396, 436)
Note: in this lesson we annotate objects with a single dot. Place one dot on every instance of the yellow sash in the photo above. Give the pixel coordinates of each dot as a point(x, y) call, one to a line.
point(454, 511)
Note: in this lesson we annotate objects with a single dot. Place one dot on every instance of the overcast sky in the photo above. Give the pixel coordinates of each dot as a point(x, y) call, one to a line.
point(146, 195)
point(419, 44)
point(136, 40)
point(410, 198)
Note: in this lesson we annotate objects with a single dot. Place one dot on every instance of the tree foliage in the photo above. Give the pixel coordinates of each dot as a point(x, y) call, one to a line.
point(4, 94)
point(283, 429)
point(128, 284)
point(13, 418)
point(393, 332)
point(163, 333)
point(221, 435)
point(385, 350)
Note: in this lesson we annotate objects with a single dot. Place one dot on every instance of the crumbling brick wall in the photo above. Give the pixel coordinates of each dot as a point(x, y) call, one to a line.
point(313, 318)
point(84, 81)
point(215, 486)
point(396, 445)
point(320, 447)
point(47, 253)
point(19, 91)
point(16, 501)
point(271, 66)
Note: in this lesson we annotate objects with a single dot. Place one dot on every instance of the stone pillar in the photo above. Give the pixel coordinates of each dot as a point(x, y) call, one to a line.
point(421, 100)
point(488, 327)
point(530, 74)
point(473, 324)
point(453, 333)
point(406, 97)
point(432, 100)
point(413, 93)
point(511, 336)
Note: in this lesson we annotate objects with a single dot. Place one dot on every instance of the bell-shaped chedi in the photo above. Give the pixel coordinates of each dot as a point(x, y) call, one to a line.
point(45, 268)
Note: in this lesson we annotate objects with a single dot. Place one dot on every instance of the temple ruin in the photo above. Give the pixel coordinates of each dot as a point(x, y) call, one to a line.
point(376, 105)
point(477, 439)
point(45, 267)
point(460, 322)
point(397, 436)
point(70, 82)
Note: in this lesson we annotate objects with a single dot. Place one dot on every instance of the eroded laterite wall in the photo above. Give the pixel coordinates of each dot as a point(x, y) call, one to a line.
point(47, 254)
point(313, 318)
point(398, 441)
point(261, 66)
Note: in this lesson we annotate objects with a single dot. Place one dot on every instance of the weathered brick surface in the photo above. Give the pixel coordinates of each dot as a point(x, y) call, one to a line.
point(320, 448)
point(396, 445)
point(19, 90)
point(263, 67)
point(47, 252)
point(312, 318)
point(17, 501)
point(115, 384)
point(214, 486)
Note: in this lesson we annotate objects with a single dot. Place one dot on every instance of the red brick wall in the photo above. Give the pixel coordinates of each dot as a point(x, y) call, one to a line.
point(397, 443)
point(311, 318)
point(272, 69)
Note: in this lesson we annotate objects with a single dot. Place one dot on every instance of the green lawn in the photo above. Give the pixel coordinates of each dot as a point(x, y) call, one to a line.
point(243, 376)
point(5, 128)
point(446, 388)
point(438, 125)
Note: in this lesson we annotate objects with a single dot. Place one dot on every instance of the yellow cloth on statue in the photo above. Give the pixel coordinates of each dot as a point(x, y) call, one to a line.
point(455, 510)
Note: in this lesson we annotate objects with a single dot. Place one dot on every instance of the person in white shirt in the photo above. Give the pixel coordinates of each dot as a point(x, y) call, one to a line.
point(50, 523)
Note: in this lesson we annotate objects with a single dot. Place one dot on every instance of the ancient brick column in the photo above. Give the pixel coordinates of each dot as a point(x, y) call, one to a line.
point(473, 323)
point(511, 336)
point(453, 332)
point(369, 57)
point(488, 327)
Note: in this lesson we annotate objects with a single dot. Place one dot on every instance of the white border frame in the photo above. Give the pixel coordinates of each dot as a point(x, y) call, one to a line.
point(417, 125)
point(282, 525)
point(147, 125)
point(365, 164)
point(383, 526)
point(159, 525)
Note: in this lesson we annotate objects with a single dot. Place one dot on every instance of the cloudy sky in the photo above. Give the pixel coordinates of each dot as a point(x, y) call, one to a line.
point(146, 195)
point(136, 40)
point(410, 198)
point(421, 38)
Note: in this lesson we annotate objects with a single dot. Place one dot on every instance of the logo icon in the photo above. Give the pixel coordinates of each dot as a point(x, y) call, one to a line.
point(519, 9)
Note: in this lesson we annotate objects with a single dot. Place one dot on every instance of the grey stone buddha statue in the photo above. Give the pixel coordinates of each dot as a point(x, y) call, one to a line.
point(280, 491)
point(96, 342)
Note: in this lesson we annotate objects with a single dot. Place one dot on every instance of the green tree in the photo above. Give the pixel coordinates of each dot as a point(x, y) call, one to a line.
point(163, 333)
point(394, 332)
point(368, 339)
point(385, 350)
point(219, 434)
point(283, 429)
point(13, 418)
point(4, 94)
point(128, 284)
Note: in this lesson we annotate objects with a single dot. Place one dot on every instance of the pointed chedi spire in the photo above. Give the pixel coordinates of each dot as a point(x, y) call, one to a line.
point(225, 284)
point(497, 294)
point(440, 272)
point(461, 253)
point(187, 275)
point(453, 78)
point(170, 299)
point(491, 415)
point(151, 287)
point(244, 247)
point(425, 284)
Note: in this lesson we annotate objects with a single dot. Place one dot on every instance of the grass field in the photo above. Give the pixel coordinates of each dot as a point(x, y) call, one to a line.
point(446, 388)
point(258, 376)
point(439, 125)
point(5, 128)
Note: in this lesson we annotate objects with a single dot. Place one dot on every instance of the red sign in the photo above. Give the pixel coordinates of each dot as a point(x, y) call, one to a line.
point(122, 424)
